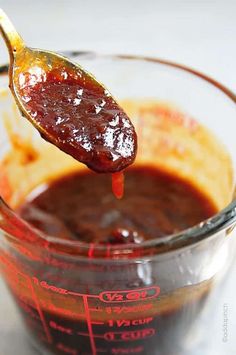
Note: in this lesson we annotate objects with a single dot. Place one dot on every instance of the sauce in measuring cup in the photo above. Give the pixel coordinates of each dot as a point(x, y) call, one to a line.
point(119, 320)
point(155, 204)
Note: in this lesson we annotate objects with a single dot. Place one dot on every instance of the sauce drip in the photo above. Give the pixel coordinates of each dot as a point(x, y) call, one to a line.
point(118, 184)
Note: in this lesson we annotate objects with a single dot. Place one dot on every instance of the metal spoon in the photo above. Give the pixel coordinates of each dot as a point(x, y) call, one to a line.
point(100, 136)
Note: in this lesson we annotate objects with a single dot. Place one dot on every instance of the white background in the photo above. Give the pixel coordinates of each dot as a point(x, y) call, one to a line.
point(201, 34)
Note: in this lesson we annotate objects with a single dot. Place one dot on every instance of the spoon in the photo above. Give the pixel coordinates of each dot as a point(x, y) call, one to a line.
point(69, 107)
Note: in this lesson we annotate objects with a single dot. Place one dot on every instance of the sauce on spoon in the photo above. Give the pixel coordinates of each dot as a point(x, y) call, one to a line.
point(70, 108)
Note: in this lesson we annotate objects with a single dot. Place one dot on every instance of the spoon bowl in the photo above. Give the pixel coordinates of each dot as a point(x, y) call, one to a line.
point(68, 106)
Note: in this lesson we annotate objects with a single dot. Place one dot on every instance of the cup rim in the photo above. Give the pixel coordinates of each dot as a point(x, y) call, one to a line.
point(223, 220)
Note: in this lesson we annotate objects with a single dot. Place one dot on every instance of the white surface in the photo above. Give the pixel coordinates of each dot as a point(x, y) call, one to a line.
point(198, 33)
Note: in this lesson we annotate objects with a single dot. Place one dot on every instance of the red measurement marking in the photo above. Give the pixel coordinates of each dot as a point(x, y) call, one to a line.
point(84, 334)
point(91, 250)
point(129, 335)
point(128, 309)
point(34, 296)
point(60, 328)
point(118, 184)
point(90, 329)
point(53, 288)
point(81, 294)
point(130, 295)
point(62, 311)
point(129, 322)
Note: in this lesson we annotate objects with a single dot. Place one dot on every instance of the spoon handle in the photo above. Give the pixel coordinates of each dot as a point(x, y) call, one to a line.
point(13, 40)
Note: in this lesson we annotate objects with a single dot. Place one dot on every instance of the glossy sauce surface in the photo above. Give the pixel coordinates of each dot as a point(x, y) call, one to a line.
point(81, 206)
point(80, 117)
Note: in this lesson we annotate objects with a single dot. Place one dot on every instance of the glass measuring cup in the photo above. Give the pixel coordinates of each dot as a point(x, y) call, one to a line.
point(78, 298)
